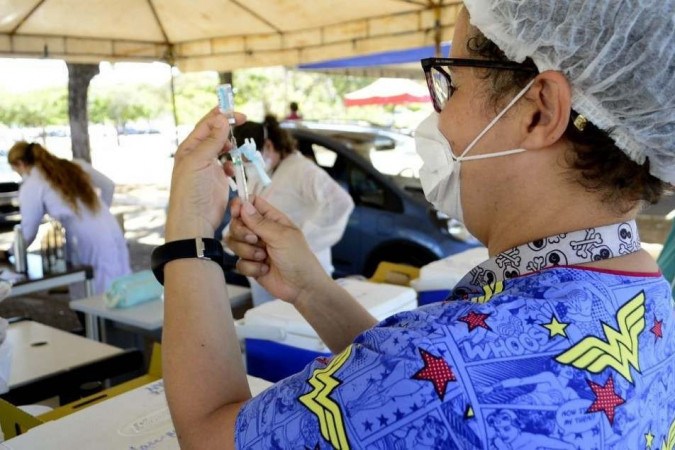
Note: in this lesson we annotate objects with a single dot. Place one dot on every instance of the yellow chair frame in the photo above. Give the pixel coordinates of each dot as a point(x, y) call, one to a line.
point(393, 273)
point(154, 373)
point(15, 421)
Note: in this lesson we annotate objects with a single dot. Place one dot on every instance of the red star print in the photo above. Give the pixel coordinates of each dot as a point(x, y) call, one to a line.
point(436, 370)
point(606, 400)
point(656, 329)
point(323, 360)
point(475, 320)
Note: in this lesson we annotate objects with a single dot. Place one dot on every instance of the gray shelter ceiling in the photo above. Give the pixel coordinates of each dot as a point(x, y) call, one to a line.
point(219, 34)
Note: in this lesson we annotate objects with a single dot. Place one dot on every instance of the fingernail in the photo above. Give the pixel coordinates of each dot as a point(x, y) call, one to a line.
point(259, 254)
point(249, 209)
point(264, 269)
point(251, 238)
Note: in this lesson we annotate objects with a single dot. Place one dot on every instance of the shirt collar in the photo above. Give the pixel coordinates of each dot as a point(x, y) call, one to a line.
point(567, 249)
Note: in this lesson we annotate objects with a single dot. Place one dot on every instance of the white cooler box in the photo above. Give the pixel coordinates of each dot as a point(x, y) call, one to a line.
point(280, 322)
point(437, 279)
point(280, 342)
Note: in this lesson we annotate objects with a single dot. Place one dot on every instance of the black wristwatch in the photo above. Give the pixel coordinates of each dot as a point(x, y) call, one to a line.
point(202, 248)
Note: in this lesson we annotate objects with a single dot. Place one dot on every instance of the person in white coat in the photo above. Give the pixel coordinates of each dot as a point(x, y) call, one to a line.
point(104, 186)
point(67, 191)
point(315, 202)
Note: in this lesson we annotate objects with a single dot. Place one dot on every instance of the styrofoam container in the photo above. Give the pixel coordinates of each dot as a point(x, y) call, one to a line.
point(281, 322)
point(445, 273)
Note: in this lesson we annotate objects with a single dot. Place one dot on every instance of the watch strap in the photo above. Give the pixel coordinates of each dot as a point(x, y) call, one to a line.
point(200, 248)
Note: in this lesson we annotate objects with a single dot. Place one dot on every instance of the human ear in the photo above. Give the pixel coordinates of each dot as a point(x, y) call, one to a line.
point(548, 114)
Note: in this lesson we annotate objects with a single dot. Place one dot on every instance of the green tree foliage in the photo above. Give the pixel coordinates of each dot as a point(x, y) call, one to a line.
point(195, 95)
point(126, 103)
point(257, 92)
point(270, 90)
point(35, 109)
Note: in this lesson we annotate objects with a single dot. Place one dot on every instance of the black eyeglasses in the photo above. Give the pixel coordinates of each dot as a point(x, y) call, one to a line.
point(439, 80)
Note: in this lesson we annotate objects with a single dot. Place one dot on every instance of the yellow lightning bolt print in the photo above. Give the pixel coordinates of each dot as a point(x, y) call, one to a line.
point(669, 441)
point(490, 291)
point(621, 349)
point(324, 408)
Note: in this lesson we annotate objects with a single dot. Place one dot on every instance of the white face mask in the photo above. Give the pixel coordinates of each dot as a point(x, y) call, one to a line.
point(270, 157)
point(269, 164)
point(440, 170)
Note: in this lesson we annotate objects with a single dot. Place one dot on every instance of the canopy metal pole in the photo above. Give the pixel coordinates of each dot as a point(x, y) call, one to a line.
point(173, 105)
point(171, 60)
point(437, 30)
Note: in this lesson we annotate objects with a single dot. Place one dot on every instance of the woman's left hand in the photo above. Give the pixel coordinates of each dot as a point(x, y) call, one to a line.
point(199, 185)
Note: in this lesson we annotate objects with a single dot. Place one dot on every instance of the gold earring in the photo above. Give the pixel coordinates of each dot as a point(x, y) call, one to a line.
point(580, 122)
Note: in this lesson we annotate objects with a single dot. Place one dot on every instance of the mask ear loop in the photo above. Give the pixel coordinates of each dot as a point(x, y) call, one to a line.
point(491, 124)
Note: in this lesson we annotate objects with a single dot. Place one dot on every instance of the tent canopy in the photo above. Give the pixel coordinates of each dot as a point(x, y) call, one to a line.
point(220, 34)
point(409, 55)
point(392, 64)
point(388, 91)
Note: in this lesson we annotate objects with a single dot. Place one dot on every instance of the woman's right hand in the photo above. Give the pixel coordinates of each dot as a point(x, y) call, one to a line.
point(274, 251)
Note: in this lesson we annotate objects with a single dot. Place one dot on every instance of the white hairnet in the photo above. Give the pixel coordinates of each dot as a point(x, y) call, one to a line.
point(619, 56)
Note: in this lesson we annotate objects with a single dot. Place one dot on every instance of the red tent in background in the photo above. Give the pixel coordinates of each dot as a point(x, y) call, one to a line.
point(389, 91)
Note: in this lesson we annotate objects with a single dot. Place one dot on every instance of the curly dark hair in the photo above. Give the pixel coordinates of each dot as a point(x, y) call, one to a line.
point(599, 165)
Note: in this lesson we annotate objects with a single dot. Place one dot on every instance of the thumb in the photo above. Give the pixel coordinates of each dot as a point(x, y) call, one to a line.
point(263, 219)
point(270, 212)
point(216, 140)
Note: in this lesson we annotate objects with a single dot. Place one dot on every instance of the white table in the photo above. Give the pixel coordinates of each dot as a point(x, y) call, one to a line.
point(36, 280)
point(47, 361)
point(136, 419)
point(147, 316)
point(39, 350)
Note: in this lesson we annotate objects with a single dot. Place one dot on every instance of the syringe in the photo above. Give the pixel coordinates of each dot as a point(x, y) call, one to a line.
point(249, 150)
point(239, 173)
point(226, 106)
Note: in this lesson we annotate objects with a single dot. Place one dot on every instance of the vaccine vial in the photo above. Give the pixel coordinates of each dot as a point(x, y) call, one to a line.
point(226, 101)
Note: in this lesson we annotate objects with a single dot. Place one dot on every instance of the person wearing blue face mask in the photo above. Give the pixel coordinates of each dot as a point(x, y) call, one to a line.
point(554, 124)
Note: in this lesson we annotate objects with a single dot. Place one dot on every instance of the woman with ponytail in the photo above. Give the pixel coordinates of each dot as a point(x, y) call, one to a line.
point(67, 191)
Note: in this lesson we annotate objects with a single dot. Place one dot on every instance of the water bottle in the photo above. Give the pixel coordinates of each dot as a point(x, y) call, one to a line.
point(59, 235)
point(20, 255)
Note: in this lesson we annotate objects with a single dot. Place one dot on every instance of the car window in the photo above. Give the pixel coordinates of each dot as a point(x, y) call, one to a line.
point(324, 157)
point(368, 191)
point(364, 188)
point(389, 151)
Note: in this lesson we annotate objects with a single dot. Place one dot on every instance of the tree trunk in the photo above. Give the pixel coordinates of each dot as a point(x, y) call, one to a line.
point(79, 76)
point(225, 77)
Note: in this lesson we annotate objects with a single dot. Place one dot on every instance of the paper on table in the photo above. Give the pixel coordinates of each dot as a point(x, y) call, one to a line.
point(138, 419)
point(11, 276)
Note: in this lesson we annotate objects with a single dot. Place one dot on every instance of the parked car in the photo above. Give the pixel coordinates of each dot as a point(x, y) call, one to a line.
point(391, 221)
point(9, 194)
point(390, 152)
